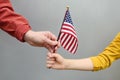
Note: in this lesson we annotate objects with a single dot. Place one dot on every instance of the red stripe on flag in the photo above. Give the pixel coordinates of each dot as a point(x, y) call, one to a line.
point(67, 41)
point(67, 29)
point(73, 46)
point(69, 25)
point(71, 43)
point(64, 42)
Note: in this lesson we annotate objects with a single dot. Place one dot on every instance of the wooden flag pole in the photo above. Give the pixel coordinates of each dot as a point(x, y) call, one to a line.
point(54, 51)
point(60, 29)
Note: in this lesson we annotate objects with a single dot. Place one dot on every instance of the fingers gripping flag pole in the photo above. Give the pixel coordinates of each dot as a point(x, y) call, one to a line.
point(67, 35)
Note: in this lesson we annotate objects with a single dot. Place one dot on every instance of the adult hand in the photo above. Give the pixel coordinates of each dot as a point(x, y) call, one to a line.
point(42, 39)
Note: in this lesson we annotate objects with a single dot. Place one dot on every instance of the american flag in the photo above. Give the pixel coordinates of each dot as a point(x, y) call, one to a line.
point(67, 35)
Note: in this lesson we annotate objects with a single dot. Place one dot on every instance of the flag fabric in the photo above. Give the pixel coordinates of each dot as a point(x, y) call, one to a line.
point(67, 35)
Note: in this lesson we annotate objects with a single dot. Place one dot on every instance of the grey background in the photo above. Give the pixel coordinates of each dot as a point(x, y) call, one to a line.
point(97, 23)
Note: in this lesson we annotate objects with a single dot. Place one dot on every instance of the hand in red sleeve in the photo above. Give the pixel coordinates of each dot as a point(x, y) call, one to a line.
point(42, 39)
point(17, 26)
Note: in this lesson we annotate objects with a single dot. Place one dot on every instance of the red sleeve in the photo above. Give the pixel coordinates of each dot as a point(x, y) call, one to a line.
point(12, 23)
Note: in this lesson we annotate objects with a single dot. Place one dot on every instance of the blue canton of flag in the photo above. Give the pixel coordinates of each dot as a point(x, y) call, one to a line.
point(68, 18)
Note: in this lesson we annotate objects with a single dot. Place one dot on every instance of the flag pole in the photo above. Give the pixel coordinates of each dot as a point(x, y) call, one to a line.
point(62, 23)
point(61, 28)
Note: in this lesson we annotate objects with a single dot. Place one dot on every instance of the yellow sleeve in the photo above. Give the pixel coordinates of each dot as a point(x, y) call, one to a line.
point(110, 54)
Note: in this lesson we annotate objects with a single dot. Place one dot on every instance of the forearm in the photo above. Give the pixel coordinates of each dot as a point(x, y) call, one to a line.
point(29, 36)
point(79, 64)
point(12, 23)
point(108, 56)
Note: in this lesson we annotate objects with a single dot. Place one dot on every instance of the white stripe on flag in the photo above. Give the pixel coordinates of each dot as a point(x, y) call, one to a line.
point(66, 31)
point(66, 41)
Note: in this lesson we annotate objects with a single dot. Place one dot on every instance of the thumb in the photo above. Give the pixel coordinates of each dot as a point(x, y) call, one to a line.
point(57, 57)
point(51, 42)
